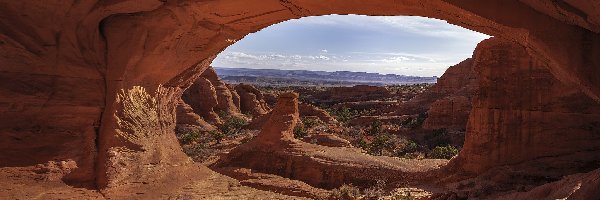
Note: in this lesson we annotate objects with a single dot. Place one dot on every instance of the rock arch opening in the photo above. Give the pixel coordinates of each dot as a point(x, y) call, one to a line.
point(511, 126)
point(79, 83)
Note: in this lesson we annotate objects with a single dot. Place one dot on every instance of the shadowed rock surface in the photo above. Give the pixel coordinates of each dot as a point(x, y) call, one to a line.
point(521, 112)
point(95, 84)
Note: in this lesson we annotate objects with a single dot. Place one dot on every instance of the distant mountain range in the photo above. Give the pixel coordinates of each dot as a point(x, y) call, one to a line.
point(311, 78)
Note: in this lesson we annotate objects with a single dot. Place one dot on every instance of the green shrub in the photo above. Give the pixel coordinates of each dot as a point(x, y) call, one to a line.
point(363, 144)
point(232, 125)
point(443, 152)
point(382, 141)
point(376, 128)
point(438, 137)
point(415, 155)
point(300, 132)
point(409, 147)
point(346, 192)
point(342, 115)
point(311, 122)
point(414, 123)
point(222, 114)
point(199, 152)
point(187, 137)
point(217, 136)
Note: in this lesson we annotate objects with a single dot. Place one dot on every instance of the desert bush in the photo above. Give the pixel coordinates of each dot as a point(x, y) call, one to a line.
point(346, 192)
point(443, 152)
point(189, 136)
point(353, 132)
point(415, 155)
point(376, 128)
point(232, 125)
point(342, 115)
point(408, 147)
point(361, 143)
point(377, 191)
point(414, 123)
point(198, 152)
point(311, 122)
point(381, 142)
point(300, 132)
point(438, 137)
point(217, 136)
point(222, 114)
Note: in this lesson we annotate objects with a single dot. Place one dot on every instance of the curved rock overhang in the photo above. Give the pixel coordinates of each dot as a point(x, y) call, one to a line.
point(95, 81)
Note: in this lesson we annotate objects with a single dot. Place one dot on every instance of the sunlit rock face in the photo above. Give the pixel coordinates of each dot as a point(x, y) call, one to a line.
point(77, 74)
point(252, 101)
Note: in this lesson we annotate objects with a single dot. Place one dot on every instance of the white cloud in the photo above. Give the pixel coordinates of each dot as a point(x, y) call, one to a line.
point(396, 63)
point(413, 24)
point(324, 51)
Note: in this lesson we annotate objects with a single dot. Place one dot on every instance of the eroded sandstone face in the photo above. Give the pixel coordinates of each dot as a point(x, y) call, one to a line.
point(225, 96)
point(458, 81)
point(71, 70)
point(202, 97)
point(251, 100)
point(448, 102)
point(521, 112)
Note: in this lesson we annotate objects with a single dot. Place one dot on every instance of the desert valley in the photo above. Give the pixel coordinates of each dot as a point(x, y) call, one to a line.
point(120, 100)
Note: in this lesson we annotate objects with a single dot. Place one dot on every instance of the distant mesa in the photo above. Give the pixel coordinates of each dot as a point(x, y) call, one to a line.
point(264, 77)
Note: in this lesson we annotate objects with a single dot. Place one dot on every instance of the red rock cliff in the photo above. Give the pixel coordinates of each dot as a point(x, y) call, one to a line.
point(522, 112)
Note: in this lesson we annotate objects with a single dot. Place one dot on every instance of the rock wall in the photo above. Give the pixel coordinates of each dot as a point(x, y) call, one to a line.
point(522, 112)
point(449, 100)
point(68, 69)
point(456, 84)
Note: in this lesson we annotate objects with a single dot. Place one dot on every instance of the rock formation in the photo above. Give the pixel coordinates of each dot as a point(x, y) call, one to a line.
point(202, 97)
point(186, 118)
point(225, 97)
point(578, 186)
point(307, 110)
point(448, 102)
point(355, 93)
point(450, 113)
point(210, 97)
point(279, 127)
point(251, 100)
point(524, 112)
point(274, 150)
point(80, 78)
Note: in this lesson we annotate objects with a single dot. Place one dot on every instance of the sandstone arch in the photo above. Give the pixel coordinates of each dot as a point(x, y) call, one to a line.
point(75, 74)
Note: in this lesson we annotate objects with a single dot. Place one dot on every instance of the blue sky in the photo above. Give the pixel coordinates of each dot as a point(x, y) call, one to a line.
point(389, 45)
